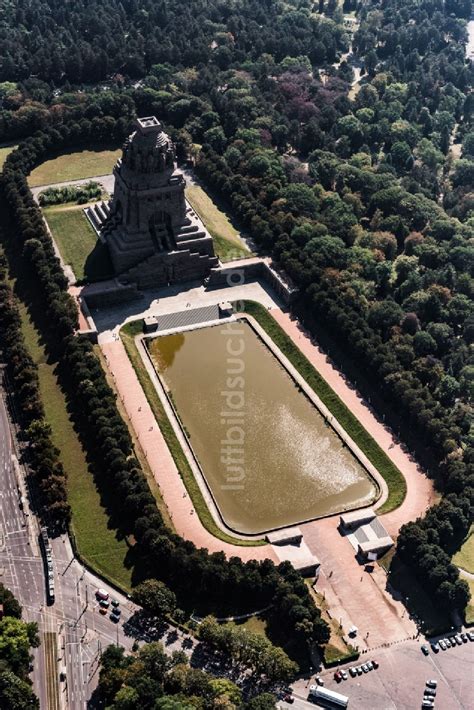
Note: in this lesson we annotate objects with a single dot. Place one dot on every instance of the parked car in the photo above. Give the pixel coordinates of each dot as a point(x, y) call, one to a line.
point(365, 668)
point(338, 676)
point(116, 612)
point(359, 670)
point(458, 640)
point(319, 680)
point(463, 637)
point(448, 643)
point(115, 602)
point(432, 683)
point(435, 648)
point(353, 672)
point(102, 594)
point(375, 664)
point(102, 610)
point(425, 649)
point(427, 703)
point(344, 675)
point(114, 617)
point(370, 665)
point(470, 635)
point(104, 603)
point(442, 644)
point(430, 692)
point(289, 699)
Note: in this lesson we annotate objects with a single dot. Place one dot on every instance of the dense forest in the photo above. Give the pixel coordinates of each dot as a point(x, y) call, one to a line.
point(362, 191)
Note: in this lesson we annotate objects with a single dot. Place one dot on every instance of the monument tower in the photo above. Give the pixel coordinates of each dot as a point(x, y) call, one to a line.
point(154, 236)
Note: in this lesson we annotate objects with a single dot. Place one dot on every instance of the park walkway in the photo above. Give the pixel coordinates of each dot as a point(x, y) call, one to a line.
point(184, 517)
point(354, 596)
point(420, 492)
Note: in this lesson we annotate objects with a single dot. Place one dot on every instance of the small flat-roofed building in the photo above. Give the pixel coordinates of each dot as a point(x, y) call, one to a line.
point(290, 546)
point(373, 549)
point(349, 521)
point(150, 324)
point(225, 309)
point(287, 536)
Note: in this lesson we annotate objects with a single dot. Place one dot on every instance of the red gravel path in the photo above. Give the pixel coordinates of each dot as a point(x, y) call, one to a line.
point(420, 493)
point(185, 519)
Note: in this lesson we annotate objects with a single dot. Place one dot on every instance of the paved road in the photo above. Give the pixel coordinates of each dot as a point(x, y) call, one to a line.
point(21, 565)
point(73, 632)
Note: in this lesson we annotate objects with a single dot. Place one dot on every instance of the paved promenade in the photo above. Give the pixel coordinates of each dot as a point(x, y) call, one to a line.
point(185, 519)
point(420, 492)
point(355, 596)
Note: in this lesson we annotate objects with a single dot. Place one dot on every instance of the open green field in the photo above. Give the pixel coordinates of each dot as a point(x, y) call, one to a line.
point(128, 334)
point(74, 166)
point(78, 243)
point(5, 151)
point(464, 558)
point(470, 606)
point(98, 544)
point(227, 242)
point(393, 477)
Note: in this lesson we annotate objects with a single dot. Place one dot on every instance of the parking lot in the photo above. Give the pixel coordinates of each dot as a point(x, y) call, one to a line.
point(399, 682)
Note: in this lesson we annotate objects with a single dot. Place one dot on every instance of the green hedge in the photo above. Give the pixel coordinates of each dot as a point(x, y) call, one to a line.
point(128, 334)
point(395, 481)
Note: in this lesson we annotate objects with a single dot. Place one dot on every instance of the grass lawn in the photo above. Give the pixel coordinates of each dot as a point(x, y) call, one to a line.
point(470, 606)
point(227, 242)
point(336, 650)
point(128, 334)
point(464, 558)
point(254, 624)
point(74, 166)
point(78, 243)
point(393, 477)
point(5, 150)
point(98, 545)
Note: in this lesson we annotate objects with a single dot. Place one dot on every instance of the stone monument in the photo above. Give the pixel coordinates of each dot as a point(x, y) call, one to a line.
point(154, 236)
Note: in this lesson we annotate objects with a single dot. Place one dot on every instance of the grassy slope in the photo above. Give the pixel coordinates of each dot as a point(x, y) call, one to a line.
point(5, 150)
point(395, 480)
point(96, 542)
point(74, 166)
point(470, 606)
point(78, 242)
point(227, 242)
point(128, 333)
point(464, 558)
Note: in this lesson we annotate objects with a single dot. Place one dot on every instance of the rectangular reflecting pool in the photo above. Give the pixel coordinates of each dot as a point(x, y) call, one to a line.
point(267, 454)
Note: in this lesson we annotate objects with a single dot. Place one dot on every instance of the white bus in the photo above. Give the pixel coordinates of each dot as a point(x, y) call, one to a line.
point(328, 698)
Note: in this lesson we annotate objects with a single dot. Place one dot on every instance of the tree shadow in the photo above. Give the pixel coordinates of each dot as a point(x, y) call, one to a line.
point(403, 587)
point(98, 264)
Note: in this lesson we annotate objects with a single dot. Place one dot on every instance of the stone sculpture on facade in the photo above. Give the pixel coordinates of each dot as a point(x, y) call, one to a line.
point(154, 236)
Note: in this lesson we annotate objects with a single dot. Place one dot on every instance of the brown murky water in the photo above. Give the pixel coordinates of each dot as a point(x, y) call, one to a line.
point(267, 454)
